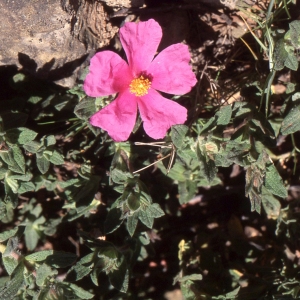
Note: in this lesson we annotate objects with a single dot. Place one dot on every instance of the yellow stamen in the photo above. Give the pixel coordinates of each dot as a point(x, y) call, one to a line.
point(140, 86)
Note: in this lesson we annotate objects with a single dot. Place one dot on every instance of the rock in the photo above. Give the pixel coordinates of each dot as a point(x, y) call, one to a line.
point(124, 3)
point(51, 39)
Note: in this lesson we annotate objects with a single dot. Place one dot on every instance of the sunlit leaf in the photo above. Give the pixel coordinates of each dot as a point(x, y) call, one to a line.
point(274, 183)
point(295, 33)
point(11, 288)
point(43, 164)
point(178, 133)
point(224, 115)
point(42, 273)
point(132, 223)
point(291, 122)
point(270, 203)
point(82, 268)
point(56, 259)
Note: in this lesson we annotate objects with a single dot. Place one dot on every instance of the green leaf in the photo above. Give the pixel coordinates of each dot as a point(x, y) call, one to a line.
point(192, 277)
point(56, 158)
point(19, 77)
point(295, 33)
point(7, 210)
point(186, 283)
point(19, 165)
point(32, 147)
point(290, 88)
point(270, 204)
point(210, 170)
point(50, 140)
point(11, 288)
point(280, 55)
point(206, 156)
point(13, 184)
point(178, 133)
point(254, 182)
point(56, 259)
point(132, 223)
point(2, 173)
point(60, 259)
point(14, 159)
point(84, 210)
point(5, 235)
point(43, 164)
point(291, 62)
point(119, 176)
point(119, 278)
point(42, 273)
point(155, 211)
point(26, 187)
point(133, 201)
point(9, 263)
point(113, 220)
point(51, 225)
point(95, 276)
point(274, 183)
point(146, 218)
point(32, 236)
point(11, 196)
point(233, 295)
point(296, 96)
point(242, 109)
point(78, 291)
point(187, 190)
point(85, 108)
point(78, 189)
point(20, 135)
point(208, 125)
point(11, 247)
point(232, 152)
point(224, 115)
point(82, 268)
point(22, 177)
point(291, 123)
point(176, 173)
point(34, 99)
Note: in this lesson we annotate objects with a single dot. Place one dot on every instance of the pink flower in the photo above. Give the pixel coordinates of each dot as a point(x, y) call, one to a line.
point(136, 83)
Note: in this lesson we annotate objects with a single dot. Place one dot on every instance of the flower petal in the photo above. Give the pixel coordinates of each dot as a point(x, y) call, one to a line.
point(140, 42)
point(117, 118)
point(171, 70)
point(109, 74)
point(159, 114)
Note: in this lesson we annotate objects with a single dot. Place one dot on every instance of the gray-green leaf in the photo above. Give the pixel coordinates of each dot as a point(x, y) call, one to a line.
point(43, 164)
point(291, 123)
point(273, 182)
point(224, 115)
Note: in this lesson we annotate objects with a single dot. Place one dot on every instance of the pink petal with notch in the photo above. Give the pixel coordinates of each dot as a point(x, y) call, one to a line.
point(117, 118)
point(140, 42)
point(171, 70)
point(159, 114)
point(109, 74)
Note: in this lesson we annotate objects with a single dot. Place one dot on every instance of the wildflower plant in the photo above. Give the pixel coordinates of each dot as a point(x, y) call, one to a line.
point(86, 216)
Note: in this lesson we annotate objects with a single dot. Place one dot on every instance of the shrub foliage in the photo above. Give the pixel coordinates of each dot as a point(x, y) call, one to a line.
point(83, 217)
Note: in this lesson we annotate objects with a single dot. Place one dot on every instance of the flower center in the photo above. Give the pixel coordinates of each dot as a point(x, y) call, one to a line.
point(140, 86)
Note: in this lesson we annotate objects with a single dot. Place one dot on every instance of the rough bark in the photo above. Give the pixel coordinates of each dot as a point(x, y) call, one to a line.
point(52, 39)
